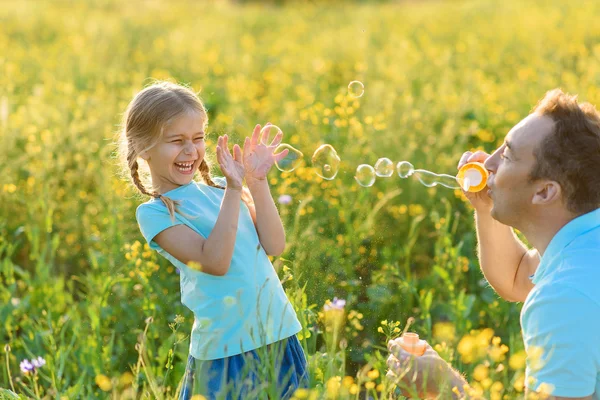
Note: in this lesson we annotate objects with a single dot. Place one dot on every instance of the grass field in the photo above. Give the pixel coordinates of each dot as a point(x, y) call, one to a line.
point(81, 290)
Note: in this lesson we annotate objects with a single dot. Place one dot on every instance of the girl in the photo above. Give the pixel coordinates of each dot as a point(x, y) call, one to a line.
point(218, 234)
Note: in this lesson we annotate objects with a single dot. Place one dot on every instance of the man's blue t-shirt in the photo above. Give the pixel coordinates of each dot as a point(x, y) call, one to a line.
point(561, 315)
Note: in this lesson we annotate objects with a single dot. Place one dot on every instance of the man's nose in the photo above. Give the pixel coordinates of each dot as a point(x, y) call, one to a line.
point(491, 164)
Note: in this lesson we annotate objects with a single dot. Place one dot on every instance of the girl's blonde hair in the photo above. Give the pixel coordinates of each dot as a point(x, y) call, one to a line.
point(144, 121)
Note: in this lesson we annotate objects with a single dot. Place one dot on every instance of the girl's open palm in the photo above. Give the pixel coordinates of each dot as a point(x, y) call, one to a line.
point(259, 157)
point(231, 166)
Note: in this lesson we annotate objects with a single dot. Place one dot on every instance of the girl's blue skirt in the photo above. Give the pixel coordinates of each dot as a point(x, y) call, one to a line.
point(274, 371)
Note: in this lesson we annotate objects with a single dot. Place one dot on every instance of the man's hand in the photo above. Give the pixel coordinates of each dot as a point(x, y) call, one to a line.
point(422, 376)
point(481, 200)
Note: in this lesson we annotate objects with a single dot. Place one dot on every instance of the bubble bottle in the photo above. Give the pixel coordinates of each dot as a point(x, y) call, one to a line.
point(411, 343)
point(473, 177)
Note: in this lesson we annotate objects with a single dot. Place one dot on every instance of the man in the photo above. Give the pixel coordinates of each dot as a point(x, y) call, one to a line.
point(544, 181)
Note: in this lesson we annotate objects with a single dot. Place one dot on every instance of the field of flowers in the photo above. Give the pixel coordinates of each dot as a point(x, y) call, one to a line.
point(87, 311)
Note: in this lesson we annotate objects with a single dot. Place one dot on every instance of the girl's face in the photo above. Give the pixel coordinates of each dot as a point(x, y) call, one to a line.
point(174, 160)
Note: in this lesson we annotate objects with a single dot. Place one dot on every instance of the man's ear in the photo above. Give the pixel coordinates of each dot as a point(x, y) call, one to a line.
point(547, 192)
point(145, 155)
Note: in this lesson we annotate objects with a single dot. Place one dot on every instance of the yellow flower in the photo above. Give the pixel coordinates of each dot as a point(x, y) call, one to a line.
point(333, 387)
point(373, 374)
point(481, 372)
point(444, 331)
point(545, 390)
point(347, 381)
point(301, 394)
point(517, 360)
point(126, 378)
point(370, 385)
point(466, 348)
point(519, 383)
point(103, 382)
point(497, 387)
point(534, 357)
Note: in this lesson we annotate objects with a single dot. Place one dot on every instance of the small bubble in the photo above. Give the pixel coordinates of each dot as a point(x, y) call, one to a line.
point(356, 89)
point(404, 169)
point(326, 161)
point(268, 133)
point(291, 161)
point(384, 167)
point(365, 175)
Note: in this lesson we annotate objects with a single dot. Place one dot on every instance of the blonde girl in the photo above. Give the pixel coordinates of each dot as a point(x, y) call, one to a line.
point(218, 233)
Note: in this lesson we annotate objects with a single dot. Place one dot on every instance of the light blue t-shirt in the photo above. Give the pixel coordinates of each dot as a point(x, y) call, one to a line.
point(247, 307)
point(561, 314)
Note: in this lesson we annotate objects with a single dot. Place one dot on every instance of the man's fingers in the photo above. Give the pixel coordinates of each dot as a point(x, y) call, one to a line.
point(464, 158)
point(478, 156)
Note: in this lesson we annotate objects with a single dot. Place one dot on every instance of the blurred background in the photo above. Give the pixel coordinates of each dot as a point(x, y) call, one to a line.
point(440, 78)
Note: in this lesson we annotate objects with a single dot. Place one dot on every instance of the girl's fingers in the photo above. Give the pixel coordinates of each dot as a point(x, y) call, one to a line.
point(277, 139)
point(220, 156)
point(255, 133)
point(237, 153)
point(280, 156)
point(265, 135)
point(246, 145)
point(226, 145)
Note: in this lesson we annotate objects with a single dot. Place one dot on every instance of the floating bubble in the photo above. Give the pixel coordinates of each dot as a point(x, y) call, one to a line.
point(384, 167)
point(356, 89)
point(428, 178)
point(365, 175)
point(291, 161)
point(404, 169)
point(431, 179)
point(268, 133)
point(326, 161)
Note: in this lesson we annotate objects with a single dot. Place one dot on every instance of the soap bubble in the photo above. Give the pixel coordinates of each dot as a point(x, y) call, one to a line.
point(356, 89)
point(365, 175)
point(268, 133)
point(291, 161)
point(384, 167)
point(326, 161)
point(431, 179)
point(404, 169)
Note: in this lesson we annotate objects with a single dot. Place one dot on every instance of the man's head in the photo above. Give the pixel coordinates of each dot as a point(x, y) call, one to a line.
point(549, 163)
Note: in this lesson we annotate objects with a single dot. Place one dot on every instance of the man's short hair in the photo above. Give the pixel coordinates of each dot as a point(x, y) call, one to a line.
point(570, 155)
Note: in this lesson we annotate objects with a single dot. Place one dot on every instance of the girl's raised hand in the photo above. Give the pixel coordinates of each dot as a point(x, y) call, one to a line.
point(231, 166)
point(259, 157)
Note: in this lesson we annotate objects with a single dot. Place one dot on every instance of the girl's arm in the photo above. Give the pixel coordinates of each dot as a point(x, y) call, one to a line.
point(268, 223)
point(258, 160)
point(215, 252)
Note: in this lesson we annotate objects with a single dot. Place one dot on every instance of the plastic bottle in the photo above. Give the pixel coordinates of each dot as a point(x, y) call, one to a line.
point(410, 342)
point(473, 177)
